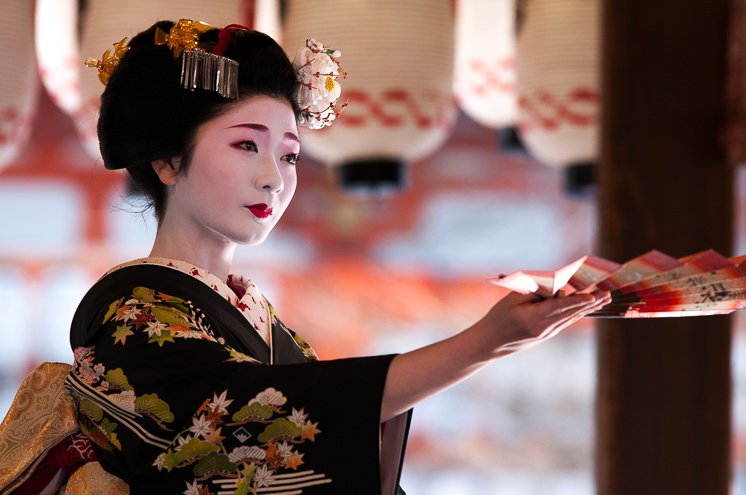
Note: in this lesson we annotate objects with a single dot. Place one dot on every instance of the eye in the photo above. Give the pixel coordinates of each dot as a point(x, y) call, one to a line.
point(291, 158)
point(247, 145)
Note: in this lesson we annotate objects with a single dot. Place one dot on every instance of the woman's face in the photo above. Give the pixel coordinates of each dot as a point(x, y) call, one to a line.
point(241, 177)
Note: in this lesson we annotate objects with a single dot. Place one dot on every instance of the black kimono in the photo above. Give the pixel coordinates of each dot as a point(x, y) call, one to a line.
point(176, 390)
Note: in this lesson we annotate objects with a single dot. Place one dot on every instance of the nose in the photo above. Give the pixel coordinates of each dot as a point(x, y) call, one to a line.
point(269, 178)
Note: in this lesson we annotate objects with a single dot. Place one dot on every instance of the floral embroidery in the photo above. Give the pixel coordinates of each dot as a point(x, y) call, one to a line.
point(277, 434)
point(249, 301)
point(195, 489)
point(117, 389)
point(161, 316)
point(240, 357)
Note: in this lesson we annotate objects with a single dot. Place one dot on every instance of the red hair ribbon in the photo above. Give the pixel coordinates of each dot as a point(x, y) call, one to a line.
point(225, 38)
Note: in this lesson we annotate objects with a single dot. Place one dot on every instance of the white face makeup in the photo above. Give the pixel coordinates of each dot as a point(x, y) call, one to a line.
point(242, 174)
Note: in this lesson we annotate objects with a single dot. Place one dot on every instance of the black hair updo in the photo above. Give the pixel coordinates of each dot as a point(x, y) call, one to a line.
point(146, 115)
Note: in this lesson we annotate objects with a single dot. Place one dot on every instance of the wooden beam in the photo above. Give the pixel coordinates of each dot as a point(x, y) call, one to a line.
point(663, 417)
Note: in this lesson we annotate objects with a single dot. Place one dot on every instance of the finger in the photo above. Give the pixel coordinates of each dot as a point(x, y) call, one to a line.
point(603, 297)
point(580, 312)
point(560, 327)
point(570, 316)
point(558, 323)
point(567, 305)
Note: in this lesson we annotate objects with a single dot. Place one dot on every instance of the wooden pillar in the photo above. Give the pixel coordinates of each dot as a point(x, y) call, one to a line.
point(663, 398)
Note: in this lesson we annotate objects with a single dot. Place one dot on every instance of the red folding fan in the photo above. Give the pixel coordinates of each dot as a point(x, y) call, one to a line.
point(649, 286)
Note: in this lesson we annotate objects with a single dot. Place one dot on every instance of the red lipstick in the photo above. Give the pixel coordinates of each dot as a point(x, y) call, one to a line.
point(260, 210)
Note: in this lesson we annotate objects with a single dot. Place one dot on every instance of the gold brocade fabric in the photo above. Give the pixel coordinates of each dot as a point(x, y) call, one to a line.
point(42, 414)
point(91, 478)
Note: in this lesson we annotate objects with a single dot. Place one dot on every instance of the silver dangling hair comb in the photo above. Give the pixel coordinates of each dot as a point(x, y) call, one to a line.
point(203, 70)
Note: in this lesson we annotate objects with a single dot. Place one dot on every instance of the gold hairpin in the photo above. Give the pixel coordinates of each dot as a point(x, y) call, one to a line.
point(184, 35)
point(109, 61)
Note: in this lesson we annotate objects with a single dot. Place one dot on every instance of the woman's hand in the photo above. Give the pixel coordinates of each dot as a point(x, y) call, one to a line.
point(518, 321)
point(515, 323)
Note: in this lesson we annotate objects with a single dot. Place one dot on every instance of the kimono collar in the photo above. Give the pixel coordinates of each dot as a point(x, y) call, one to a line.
point(249, 301)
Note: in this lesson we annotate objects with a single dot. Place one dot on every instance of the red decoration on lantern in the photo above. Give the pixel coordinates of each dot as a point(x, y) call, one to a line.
point(557, 76)
point(484, 82)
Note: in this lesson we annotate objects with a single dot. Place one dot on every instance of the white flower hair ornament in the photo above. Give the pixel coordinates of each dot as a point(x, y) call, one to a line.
point(318, 70)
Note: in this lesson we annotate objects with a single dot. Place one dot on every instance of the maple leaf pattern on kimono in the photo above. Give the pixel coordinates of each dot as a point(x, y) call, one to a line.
point(274, 456)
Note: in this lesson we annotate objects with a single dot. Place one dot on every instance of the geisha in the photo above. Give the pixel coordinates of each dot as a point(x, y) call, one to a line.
point(185, 380)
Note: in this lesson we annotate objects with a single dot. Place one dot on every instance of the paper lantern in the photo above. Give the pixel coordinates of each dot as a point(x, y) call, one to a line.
point(399, 60)
point(267, 18)
point(18, 83)
point(56, 33)
point(557, 79)
point(484, 82)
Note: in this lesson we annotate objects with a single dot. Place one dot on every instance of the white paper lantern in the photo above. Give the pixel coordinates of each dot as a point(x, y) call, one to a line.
point(557, 77)
point(18, 82)
point(484, 82)
point(56, 32)
point(107, 21)
point(267, 18)
point(399, 60)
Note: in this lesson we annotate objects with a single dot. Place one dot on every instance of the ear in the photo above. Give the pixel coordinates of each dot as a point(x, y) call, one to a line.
point(167, 170)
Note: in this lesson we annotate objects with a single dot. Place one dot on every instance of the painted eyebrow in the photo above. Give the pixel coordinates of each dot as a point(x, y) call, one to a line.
point(264, 128)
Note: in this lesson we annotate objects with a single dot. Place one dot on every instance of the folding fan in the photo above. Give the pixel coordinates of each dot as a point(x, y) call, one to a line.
point(649, 286)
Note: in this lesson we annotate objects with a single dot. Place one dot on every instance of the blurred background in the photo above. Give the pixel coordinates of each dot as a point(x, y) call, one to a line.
point(468, 150)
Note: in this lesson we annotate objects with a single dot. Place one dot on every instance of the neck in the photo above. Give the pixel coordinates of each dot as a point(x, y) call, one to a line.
point(205, 251)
